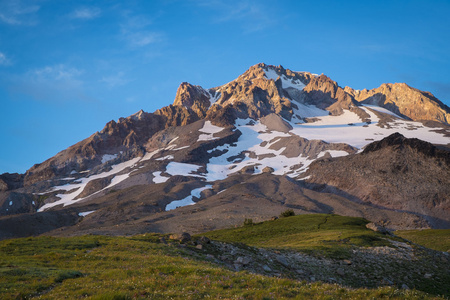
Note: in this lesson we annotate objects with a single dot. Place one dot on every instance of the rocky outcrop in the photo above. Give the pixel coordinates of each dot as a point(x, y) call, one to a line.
point(12, 203)
point(10, 181)
point(398, 141)
point(274, 122)
point(296, 146)
point(175, 115)
point(405, 101)
point(327, 94)
point(396, 173)
point(193, 97)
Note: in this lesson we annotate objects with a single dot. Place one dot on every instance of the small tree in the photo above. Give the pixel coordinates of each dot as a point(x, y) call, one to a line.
point(287, 213)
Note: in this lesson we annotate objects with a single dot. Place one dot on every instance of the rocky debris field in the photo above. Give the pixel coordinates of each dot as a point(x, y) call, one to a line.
point(402, 264)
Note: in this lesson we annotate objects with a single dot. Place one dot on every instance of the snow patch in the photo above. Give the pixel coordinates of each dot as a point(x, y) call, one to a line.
point(209, 129)
point(213, 100)
point(206, 137)
point(188, 200)
point(157, 178)
point(108, 157)
point(271, 74)
point(176, 168)
point(167, 157)
point(333, 153)
point(383, 110)
point(180, 148)
point(285, 81)
point(173, 140)
point(291, 83)
point(149, 155)
point(308, 111)
point(84, 214)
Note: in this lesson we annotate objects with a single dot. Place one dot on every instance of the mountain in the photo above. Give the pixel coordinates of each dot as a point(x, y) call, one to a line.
point(269, 140)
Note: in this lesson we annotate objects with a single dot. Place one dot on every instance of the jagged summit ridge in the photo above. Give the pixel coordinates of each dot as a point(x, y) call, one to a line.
point(265, 89)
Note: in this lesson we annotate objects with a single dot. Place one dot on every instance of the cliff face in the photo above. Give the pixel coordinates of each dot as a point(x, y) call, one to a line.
point(404, 101)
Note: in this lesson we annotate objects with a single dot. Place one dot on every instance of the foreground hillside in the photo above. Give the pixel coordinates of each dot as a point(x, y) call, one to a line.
point(304, 257)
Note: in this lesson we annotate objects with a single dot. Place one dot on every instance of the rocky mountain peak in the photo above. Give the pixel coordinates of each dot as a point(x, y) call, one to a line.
point(140, 115)
point(193, 97)
point(405, 101)
point(265, 71)
point(261, 90)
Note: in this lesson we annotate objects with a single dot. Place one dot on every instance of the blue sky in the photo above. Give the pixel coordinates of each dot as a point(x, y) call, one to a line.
point(69, 67)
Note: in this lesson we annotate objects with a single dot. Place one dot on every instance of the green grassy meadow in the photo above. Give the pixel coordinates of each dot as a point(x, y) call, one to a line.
point(437, 239)
point(321, 234)
point(144, 266)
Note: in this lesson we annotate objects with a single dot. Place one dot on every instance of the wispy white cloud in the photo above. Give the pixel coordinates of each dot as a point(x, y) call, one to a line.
point(16, 12)
point(86, 13)
point(142, 38)
point(4, 61)
point(252, 15)
point(136, 22)
point(135, 31)
point(115, 80)
point(58, 72)
point(50, 83)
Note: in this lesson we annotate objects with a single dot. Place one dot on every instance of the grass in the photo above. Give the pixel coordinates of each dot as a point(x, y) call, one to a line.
point(325, 235)
point(101, 267)
point(437, 239)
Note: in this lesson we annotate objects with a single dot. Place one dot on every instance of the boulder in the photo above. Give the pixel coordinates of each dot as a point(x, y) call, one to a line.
point(183, 237)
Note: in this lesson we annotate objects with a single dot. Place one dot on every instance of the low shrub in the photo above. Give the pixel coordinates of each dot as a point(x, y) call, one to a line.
point(287, 213)
point(248, 222)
